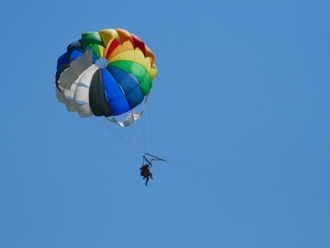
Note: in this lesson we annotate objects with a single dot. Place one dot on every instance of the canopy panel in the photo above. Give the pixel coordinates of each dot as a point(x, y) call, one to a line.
point(106, 73)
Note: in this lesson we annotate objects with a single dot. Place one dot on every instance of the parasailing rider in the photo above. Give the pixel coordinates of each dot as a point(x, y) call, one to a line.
point(146, 165)
point(145, 172)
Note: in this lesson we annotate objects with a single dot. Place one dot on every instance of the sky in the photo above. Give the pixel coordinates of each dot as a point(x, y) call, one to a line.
point(239, 109)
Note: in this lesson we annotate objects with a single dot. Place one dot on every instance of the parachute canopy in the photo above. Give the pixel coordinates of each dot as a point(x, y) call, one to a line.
point(106, 73)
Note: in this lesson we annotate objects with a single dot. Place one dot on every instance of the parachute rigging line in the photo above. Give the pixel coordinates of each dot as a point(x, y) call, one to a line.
point(121, 135)
point(251, 181)
point(149, 128)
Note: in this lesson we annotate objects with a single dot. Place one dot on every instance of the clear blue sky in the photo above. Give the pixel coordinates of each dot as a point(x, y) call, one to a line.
point(242, 90)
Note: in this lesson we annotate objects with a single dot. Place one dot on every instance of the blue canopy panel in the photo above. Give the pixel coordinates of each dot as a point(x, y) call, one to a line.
point(75, 46)
point(63, 60)
point(76, 49)
point(75, 54)
point(129, 84)
point(115, 96)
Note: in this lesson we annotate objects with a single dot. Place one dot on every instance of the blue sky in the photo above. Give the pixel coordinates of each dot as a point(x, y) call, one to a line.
point(242, 94)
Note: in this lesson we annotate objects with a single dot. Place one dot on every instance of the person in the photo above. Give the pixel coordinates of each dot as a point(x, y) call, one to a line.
point(145, 172)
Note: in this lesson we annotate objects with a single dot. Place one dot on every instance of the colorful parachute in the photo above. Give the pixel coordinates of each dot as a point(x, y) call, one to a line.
point(106, 73)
